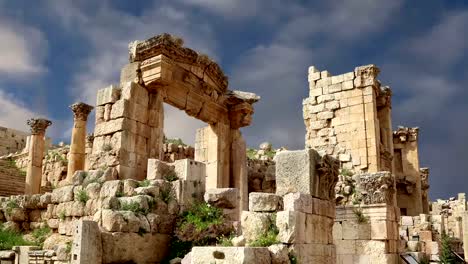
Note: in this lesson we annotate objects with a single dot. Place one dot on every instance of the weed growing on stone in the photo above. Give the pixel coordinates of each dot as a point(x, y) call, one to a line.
point(144, 183)
point(10, 205)
point(82, 196)
point(361, 218)
point(133, 207)
point(251, 153)
point(175, 141)
point(171, 176)
point(62, 215)
point(225, 241)
point(40, 235)
point(202, 216)
point(166, 193)
point(106, 147)
point(269, 238)
point(346, 172)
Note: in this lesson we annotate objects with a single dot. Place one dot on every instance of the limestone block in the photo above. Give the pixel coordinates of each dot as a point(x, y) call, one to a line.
point(113, 221)
point(332, 105)
point(314, 253)
point(134, 92)
point(431, 247)
point(118, 247)
point(314, 76)
point(149, 190)
point(231, 255)
point(163, 224)
point(315, 91)
point(371, 247)
point(63, 194)
point(93, 190)
point(407, 221)
point(344, 247)
point(334, 88)
point(111, 189)
point(279, 254)
point(298, 202)
point(129, 186)
point(264, 202)
point(425, 235)
point(348, 85)
point(325, 115)
point(143, 201)
point(16, 215)
point(107, 95)
point(190, 170)
point(291, 226)
point(296, 171)
point(381, 230)
point(222, 197)
point(413, 246)
point(254, 224)
point(157, 169)
point(87, 244)
point(316, 108)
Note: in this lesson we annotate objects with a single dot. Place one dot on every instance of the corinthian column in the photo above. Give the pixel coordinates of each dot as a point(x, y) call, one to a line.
point(36, 154)
point(77, 155)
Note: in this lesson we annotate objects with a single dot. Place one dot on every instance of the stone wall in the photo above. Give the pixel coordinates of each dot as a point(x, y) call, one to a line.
point(261, 175)
point(348, 116)
point(366, 224)
point(12, 140)
point(407, 171)
point(173, 152)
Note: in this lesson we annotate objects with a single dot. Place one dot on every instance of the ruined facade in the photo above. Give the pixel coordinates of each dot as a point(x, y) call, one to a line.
point(12, 140)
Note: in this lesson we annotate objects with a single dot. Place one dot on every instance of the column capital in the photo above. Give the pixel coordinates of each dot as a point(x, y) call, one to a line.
point(38, 125)
point(81, 110)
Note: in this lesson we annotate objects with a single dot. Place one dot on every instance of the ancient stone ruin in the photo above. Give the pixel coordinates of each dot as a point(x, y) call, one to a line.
point(127, 194)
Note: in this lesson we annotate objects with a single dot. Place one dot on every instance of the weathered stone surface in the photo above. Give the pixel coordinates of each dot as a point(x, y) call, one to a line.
point(16, 215)
point(222, 197)
point(87, 244)
point(107, 95)
point(157, 169)
point(296, 171)
point(254, 224)
point(298, 202)
point(264, 202)
point(291, 227)
point(230, 255)
point(56, 239)
point(279, 254)
point(149, 248)
point(63, 194)
point(111, 189)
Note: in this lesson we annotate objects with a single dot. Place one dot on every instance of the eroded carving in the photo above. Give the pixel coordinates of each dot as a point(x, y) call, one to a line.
point(375, 188)
point(328, 169)
point(38, 125)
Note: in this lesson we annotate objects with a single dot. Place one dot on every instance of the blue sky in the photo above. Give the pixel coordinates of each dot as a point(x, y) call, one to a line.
point(54, 53)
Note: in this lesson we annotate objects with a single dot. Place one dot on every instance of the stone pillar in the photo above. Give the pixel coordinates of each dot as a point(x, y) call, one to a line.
point(212, 147)
point(36, 154)
point(239, 168)
point(465, 234)
point(156, 126)
point(77, 156)
point(88, 148)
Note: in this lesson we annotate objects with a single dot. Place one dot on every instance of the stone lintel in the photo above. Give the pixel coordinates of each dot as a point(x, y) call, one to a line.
point(38, 125)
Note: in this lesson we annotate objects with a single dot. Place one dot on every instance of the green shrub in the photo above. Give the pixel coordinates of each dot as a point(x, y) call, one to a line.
point(269, 238)
point(166, 193)
point(292, 258)
point(9, 239)
point(133, 207)
point(82, 196)
point(144, 183)
point(270, 153)
point(40, 235)
point(69, 247)
point(175, 141)
point(225, 241)
point(251, 153)
point(346, 172)
point(201, 216)
point(10, 205)
point(361, 218)
point(62, 215)
point(171, 176)
point(446, 253)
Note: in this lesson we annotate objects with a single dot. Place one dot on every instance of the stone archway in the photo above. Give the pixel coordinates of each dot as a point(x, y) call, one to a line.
point(130, 118)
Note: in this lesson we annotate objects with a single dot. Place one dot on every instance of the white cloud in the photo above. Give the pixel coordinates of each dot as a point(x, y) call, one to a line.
point(444, 44)
point(22, 49)
point(13, 113)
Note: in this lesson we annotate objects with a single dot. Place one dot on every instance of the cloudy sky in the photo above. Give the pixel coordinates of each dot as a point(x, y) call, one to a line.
point(54, 53)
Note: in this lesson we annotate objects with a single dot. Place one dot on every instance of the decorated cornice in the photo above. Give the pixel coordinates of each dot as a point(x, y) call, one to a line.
point(405, 134)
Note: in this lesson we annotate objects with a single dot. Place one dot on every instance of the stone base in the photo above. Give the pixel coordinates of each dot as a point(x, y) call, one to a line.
point(231, 255)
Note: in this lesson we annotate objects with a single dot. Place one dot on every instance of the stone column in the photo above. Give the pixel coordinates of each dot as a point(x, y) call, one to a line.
point(77, 155)
point(239, 168)
point(88, 148)
point(465, 234)
point(36, 154)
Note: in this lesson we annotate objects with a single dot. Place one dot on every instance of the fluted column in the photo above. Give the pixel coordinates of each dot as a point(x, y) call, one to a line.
point(77, 155)
point(36, 154)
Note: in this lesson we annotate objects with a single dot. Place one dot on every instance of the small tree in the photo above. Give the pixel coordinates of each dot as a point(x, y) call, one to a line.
point(446, 254)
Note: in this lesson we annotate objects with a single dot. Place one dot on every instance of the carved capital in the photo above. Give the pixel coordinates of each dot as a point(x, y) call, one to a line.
point(405, 134)
point(375, 188)
point(38, 125)
point(366, 75)
point(328, 169)
point(81, 111)
point(241, 115)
